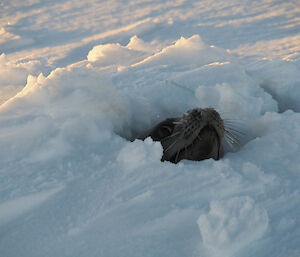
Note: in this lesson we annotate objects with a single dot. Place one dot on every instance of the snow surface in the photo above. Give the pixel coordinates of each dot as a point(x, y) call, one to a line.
point(80, 78)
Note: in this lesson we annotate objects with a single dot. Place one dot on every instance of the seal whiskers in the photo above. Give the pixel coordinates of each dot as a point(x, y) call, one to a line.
point(196, 135)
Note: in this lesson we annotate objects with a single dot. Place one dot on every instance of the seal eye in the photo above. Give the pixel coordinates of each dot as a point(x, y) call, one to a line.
point(162, 130)
point(165, 131)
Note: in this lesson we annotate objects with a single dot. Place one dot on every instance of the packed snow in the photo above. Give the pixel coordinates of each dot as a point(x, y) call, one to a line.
point(80, 80)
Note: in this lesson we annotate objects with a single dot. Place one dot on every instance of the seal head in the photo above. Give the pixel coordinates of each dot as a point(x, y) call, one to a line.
point(197, 135)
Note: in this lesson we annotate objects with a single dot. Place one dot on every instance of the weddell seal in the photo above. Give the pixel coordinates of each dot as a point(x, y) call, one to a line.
point(196, 135)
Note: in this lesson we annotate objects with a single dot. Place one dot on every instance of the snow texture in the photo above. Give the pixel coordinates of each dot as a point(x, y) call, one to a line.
point(79, 80)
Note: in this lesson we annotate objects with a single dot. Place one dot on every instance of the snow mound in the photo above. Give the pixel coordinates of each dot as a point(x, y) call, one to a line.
point(185, 52)
point(189, 74)
point(13, 76)
point(281, 79)
point(137, 154)
point(70, 106)
point(117, 55)
point(236, 99)
point(232, 224)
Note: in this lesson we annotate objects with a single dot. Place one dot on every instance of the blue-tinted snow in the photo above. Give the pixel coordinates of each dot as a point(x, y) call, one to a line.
point(79, 78)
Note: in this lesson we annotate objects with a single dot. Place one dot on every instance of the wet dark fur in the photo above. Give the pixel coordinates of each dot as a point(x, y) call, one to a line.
point(197, 135)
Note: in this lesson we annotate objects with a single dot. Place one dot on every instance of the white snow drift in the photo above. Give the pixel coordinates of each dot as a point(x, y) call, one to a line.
point(72, 184)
